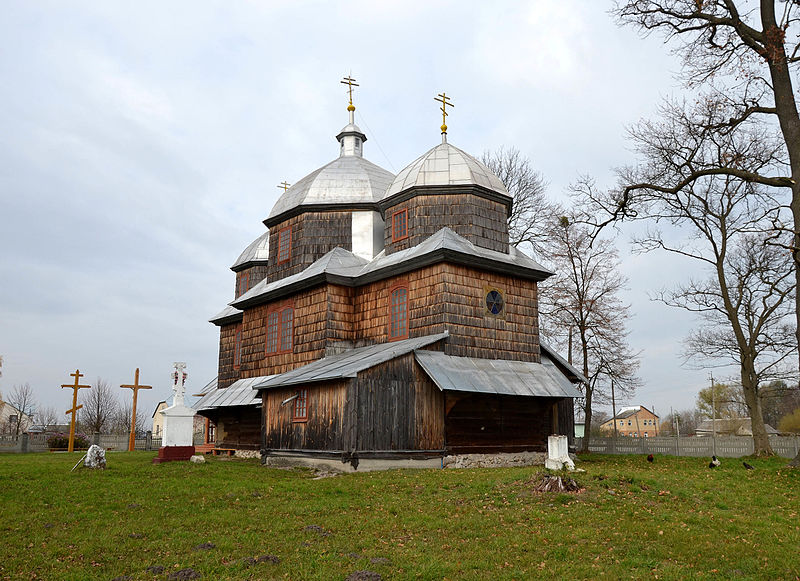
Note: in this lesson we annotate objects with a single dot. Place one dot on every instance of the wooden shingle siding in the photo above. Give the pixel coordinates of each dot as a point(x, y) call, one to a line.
point(322, 431)
point(227, 343)
point(313, 235)
point(255, 275)
point(479, 220)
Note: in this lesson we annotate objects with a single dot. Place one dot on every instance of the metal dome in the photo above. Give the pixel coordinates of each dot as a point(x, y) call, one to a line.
point(445, 165)
point(348, 180)
point(256, 251)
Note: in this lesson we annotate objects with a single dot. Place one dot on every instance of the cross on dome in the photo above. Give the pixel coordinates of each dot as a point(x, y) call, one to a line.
point(445, 101)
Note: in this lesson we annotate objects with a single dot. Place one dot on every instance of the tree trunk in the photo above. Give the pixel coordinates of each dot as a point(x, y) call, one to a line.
point(761, 445)
point(587, 426)
point(789, 121)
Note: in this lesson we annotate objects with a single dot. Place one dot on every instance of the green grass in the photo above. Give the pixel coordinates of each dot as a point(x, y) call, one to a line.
point(674, 519)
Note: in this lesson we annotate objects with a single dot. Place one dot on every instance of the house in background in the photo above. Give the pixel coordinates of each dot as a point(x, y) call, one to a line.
point(158, 419)
point(387, 317)
point(636, 422)
point(13, 421)
point(731, 427)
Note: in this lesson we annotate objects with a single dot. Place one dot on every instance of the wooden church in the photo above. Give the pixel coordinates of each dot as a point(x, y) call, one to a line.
point(385, 317)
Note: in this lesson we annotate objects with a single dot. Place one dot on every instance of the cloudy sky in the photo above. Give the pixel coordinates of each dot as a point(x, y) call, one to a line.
point(141, 144)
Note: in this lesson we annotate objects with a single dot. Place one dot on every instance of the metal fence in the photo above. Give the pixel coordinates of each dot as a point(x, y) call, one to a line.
point(724, 447)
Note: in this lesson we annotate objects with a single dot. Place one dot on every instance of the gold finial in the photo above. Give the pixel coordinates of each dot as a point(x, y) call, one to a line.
point(350, 82)
point(445, 101)
point(284, 184)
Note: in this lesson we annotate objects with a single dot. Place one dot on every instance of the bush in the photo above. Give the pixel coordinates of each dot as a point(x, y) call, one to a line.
point(61, 442)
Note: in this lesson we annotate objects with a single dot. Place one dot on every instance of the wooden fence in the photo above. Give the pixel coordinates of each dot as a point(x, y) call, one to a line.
point(724, 447)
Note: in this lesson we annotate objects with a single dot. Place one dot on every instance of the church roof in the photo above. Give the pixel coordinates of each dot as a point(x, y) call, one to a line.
point(348, 363)
point(445, 165)
point(256, 252)
point(495, 376)
point(227, 315)
point(350, 180)
point(343, 267)
point(238, 393)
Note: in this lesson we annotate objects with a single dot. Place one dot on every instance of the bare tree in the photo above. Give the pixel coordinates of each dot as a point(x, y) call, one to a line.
point(582, 312)
point(99, 406)
point(121, 421)
point(531, 210)
point(778, 399)
point(47, 417)
point(742, 57)
point(23, 401)
point(724, 402)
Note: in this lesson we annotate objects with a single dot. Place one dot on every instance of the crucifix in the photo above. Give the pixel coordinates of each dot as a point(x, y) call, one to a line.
point(135, 387)
point(179, 379)
point(445, 101)
point(350, 82)
point(284, 184)
point(75, 407)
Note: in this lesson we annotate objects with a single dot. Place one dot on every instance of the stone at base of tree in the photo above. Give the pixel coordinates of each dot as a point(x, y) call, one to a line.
point(173, 454)
point(95, 457)
point(197, 459)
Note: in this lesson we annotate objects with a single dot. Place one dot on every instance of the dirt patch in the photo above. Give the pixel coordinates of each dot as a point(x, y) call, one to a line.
point(156, 569)
point(185, 575)
point(363, 576)
point(262, 559)
point(317, 529)
point(205, 547)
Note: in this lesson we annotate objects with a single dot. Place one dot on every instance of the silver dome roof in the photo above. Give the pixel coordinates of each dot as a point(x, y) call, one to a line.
point(348, 180)
point(256, 251)
point(445, 165)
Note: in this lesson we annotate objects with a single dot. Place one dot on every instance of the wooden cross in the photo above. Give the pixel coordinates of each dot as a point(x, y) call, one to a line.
point(75, 407)
point(135, 387)
point(445, 101)
point(350, 84)
point(284, 184)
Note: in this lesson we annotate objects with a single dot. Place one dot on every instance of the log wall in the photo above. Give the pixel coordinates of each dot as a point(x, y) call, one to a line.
point(313, 235)
point(479, 220)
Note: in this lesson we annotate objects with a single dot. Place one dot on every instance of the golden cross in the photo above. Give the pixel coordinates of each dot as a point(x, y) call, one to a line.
point(75, 407)
point(445, 101)
point(350, 82)
point(135, 387)
point(284, 184)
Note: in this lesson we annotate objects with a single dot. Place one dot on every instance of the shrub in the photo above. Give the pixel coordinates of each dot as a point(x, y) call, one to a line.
point(61, 442)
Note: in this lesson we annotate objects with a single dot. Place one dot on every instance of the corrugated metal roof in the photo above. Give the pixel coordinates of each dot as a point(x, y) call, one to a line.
point(495, 376)
point(548, 351)
point(239, 393)
point(349, 363)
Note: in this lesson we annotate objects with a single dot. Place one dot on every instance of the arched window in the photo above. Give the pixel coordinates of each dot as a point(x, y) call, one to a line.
point(398, 307)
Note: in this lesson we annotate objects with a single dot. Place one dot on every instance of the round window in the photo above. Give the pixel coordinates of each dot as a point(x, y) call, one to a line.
point(494, 302)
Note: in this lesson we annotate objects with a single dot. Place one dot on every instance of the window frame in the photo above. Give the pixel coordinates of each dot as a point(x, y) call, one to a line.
point(287, 232)
point(395, 237)
point(274, 328)
point(237, 347)
point(242, 276)
point(394, 288)
point(300, 407)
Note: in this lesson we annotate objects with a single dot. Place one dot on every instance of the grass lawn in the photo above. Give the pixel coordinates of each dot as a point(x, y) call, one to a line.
point(674, 519)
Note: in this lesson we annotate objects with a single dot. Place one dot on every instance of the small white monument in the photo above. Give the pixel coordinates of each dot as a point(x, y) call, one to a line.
point(558, 454)
point(178, 422)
